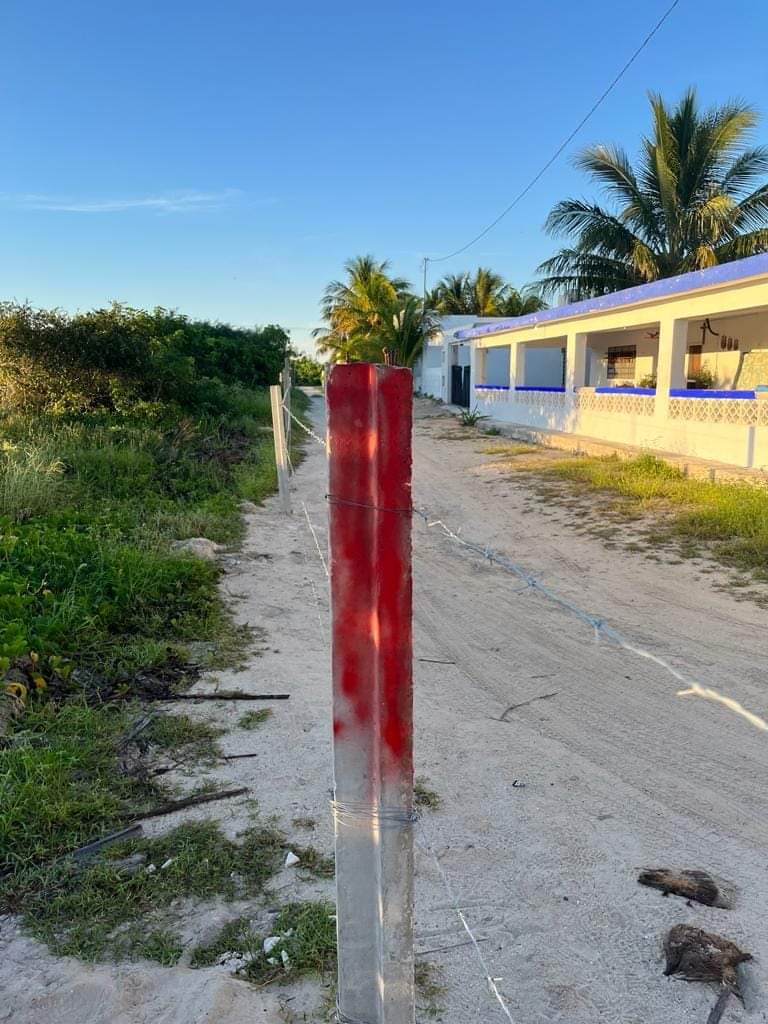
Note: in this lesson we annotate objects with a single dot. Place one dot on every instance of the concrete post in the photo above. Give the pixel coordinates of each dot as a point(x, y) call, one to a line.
point(287, 385)
point(477, 357)
point(281, 453)
point(670, 364)
point(575, 361)
point(369, 433)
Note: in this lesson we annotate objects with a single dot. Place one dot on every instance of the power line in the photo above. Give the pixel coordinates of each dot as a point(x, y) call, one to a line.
point(540, 174)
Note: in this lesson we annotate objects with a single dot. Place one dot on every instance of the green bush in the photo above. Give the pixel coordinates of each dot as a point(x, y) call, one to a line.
point(116, 357)
point(307, 371)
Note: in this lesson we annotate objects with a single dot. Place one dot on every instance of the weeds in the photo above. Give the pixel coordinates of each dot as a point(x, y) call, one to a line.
point(236, 936)
point(509, 451)
point(59, 783)
point(306, 946)
point(732, 518)
point(253, 719)
point(307, 932)
point(471, 417)
point(110, 910)
point(89, 506)
point(424, 796)
point(313, 862)
point(304, 822)
point(429, 987)
point(187, 739)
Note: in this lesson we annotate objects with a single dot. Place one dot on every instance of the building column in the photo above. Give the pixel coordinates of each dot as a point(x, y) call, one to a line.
point(516, 364)
point(575, 362)
point(670, 364)
point(477, 368)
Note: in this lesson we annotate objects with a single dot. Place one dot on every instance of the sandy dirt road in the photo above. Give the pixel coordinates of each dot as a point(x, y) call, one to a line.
point(618, 772)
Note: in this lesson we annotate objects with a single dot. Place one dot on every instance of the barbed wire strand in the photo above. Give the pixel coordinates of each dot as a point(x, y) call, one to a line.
point(307, 429)
point(600, 626)
point(690, 687)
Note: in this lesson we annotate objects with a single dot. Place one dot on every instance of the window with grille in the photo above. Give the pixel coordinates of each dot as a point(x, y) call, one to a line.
point(621, 361)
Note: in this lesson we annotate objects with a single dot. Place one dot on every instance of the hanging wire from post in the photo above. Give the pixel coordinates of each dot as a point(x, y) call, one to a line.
point(308, 430)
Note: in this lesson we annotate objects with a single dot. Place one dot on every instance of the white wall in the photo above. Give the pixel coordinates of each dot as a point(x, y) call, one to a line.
point(430, 381)
point(736, 444)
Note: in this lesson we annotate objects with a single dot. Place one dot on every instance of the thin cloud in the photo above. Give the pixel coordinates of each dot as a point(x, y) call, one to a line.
point(174, 202)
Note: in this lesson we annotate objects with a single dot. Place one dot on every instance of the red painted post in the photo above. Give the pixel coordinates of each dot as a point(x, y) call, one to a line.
point(369, 433)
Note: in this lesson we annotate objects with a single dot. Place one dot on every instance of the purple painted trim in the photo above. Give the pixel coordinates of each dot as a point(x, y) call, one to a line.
point(700, 393)
point(625, 391)
point(726, 273)
point(492, 387)
point(531, 387)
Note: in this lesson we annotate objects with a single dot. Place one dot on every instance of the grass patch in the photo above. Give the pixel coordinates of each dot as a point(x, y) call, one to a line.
point(107, 910)
point(313, 862)
point(304, 821)
point(236, 936)
point(187, 739)
point(730, 518)
point(89, 507)
point(430, 988)
point(307, 933)
point(509, 451)
point(59, 783)
point(253, 719)
point(424, 795)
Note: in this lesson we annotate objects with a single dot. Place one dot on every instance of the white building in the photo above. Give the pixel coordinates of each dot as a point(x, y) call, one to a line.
point(679, 366)
point(444, 369)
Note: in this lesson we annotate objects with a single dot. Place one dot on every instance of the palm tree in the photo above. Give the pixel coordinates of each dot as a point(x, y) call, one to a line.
point(352, 309)
point(478, 295)
point(484, 294)
point(690, 203)
point(451, 295)
point(520, 303)
point(405, 326)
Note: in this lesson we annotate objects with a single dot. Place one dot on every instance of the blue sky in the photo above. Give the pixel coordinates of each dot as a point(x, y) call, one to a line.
point(225, 159)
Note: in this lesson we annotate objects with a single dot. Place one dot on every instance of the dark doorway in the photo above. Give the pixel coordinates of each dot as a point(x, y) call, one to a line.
point(460, 386)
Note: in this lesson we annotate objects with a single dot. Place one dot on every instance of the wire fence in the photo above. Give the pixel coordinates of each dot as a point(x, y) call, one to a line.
point(601, 629)
point(690, 687)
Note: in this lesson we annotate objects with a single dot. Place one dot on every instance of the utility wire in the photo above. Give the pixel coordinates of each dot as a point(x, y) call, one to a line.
point(540, 174)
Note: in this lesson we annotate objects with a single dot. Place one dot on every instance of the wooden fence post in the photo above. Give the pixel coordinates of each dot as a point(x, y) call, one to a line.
point(281, 454)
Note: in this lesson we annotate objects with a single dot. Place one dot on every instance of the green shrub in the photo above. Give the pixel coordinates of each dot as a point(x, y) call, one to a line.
point(117, 357)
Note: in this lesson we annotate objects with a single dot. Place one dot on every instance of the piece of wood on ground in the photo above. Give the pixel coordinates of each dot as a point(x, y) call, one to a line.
point(192, 801)
point(89, 849)
point(227, 695)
